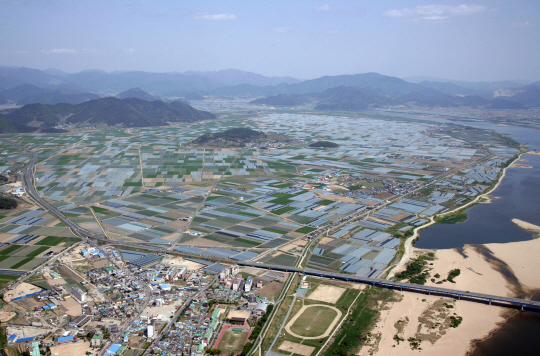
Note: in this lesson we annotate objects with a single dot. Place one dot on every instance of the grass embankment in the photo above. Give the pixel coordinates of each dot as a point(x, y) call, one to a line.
point(453, 218)
point(356, 330)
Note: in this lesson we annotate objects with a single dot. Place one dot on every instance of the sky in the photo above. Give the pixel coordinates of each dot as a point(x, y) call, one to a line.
point(459, 40)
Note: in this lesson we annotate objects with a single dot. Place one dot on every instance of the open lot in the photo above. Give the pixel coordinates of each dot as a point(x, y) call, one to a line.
point(72, 349)
point(295, 348)
point(326, 293)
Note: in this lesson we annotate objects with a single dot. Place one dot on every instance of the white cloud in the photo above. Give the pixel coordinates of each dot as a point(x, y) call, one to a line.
point(324, 7)
point(214, 17)
point(435, 12)
point(524, 24)
point(59, 51)
point(282, 29)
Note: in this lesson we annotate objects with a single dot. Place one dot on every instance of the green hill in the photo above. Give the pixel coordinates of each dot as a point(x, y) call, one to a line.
point(351, 99)
point(109, 111)
point(236, 137)
point(58, 96)
point(324, 144)
point(530, 96)
point(281, 100)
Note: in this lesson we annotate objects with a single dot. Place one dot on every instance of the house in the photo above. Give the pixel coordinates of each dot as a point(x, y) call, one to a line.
point(96, 340)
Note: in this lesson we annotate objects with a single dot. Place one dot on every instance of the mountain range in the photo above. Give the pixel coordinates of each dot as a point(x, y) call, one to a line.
point(163, 84)
point(25, 86)
point(345, 98)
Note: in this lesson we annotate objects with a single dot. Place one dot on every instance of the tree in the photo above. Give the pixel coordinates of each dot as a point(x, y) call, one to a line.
point(7, 203)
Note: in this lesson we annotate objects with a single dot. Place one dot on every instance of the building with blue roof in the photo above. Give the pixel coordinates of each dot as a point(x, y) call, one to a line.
point(25, 339)
point(113, 349)
point(66, 338)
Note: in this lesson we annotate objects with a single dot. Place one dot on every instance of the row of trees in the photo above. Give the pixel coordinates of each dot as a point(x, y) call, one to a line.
point(257, 330)
point(7, 203)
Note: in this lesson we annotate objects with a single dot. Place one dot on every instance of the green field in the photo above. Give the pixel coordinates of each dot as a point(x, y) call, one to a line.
point(21, 263)
point(38, 251)
point(305, 230)
point(56, 240)
point(314, 321)
point(9, 249)
point(233, 341)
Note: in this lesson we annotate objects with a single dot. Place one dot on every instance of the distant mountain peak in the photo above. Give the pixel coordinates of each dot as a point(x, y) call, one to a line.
point(136, 93)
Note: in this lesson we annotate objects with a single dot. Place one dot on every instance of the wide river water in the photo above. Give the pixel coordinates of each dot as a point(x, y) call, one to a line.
point(518, 197)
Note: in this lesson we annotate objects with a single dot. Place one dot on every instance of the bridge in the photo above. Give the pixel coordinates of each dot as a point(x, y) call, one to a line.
point(404, 286)
point(28, 183)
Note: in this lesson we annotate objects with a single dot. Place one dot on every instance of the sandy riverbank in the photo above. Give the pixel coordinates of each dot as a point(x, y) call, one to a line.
point(521, 165)
point(535, 229)
point(479, 273)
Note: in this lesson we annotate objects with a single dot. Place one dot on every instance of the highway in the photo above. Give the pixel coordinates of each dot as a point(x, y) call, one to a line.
point(411, 287)
point(28, 183)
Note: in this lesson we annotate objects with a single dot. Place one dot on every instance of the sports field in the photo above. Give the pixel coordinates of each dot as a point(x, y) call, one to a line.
point(232, 340)
point(313, 321)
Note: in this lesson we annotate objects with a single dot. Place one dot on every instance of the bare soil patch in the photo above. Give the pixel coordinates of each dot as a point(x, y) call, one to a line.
point(270, 291)
point(295, 348)
point(335, 197)
point(71, 306)
point(71, 349)
point(326, 240)
point(5, 316)
point(326, 293)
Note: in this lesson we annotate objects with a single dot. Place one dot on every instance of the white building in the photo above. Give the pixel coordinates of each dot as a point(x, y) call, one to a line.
point(249, 284)
point(79, 294)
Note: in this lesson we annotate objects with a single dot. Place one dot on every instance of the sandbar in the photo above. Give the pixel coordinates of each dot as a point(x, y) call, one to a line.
point(535, 229)
point(479, 272)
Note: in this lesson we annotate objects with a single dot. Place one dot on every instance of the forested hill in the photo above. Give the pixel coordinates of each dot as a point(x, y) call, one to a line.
point(236, 137)
point(130, 112)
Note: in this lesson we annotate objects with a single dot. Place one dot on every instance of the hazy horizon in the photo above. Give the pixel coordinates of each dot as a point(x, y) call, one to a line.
point(454, 40)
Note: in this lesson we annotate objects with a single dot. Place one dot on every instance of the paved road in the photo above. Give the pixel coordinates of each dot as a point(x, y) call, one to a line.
point(454, 293)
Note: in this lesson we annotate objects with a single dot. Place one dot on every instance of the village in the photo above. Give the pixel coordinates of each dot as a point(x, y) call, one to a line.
point(96, 302)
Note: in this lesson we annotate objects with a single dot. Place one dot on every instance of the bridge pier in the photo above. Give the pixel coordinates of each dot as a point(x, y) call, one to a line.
point(521, 307)
point(490, 302)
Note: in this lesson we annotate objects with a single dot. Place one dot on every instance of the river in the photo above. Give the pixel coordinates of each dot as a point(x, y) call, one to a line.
point(518, 197)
